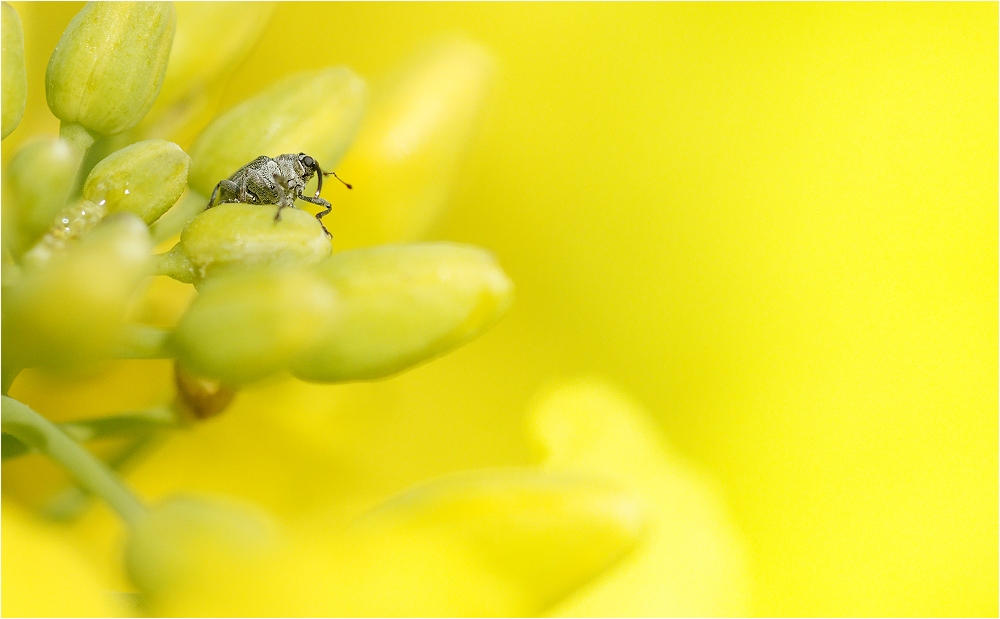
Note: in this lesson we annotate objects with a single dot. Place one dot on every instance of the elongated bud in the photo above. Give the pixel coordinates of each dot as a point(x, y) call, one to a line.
point(109, 64)
point(407, 153)
point(315, 112)
point(38, 182)
point(71, 309)
point(544, 534)
point(233, 237)
point(14, 76)
point(400, 305)
point(250, 325)
point(144, 179)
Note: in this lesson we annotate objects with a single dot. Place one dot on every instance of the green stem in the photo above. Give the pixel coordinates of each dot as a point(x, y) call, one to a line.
point(144, 342)
point(90, 473)
point(173, 221)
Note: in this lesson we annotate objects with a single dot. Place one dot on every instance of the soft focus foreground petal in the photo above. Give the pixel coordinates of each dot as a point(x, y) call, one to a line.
point(201, 62)
point(15, 79)
point(44, 576)
point(187, 545)
point(692, 563)
point(402, 304)
point(37, 184)
point(408, 150)
point(315, 112)
point(498, 543)
point(250, 325)
point(233, 237)
point(109, 64)
point(539, 535)
point(144, 179)
point(71, 308)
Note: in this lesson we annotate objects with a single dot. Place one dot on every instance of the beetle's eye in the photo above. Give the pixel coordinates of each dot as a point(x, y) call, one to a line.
point(308, 161)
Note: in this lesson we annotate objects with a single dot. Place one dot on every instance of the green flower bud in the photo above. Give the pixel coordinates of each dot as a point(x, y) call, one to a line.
point(400, 305)
point(71, 309)
point(178, 548)
point(109, 64)
point(15, 78)
point(357, 315)
point(38, 182)
point(251, 325)
point(407, 153)
point(144, 179)
point(316, 112)
point(232, 237)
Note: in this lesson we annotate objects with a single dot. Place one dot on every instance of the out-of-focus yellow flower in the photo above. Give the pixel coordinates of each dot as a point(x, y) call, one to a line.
point(15, 80)
point(692, 562)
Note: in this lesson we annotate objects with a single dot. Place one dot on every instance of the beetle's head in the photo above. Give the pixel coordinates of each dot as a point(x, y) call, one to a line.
point(309, 166)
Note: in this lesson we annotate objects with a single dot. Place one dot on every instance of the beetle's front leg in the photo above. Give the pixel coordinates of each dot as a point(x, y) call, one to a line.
point(320, 215)
point(285, 196)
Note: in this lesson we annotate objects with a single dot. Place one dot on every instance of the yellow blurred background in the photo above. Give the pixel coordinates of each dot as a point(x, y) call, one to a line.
point(775, 225)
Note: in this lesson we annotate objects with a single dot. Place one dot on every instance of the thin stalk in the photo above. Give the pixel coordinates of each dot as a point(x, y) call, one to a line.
point(143, 342)
point(86, 469)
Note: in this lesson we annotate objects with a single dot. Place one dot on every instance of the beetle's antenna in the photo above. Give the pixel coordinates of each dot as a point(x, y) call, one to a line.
point(346, 184)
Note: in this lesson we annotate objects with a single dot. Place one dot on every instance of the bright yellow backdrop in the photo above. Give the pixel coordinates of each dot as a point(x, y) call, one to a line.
point(774, 224)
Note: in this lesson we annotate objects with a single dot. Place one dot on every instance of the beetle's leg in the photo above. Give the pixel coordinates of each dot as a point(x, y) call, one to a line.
point(224, 187)
point(320, 215)
point(281, 186)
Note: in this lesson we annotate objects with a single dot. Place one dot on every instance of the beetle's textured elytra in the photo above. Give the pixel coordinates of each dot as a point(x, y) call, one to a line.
point(280, 181)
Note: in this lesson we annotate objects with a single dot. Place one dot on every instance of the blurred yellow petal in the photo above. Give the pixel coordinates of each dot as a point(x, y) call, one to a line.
point(407, 153)
point(44, 575)
point(692, 563)
point(198, 71)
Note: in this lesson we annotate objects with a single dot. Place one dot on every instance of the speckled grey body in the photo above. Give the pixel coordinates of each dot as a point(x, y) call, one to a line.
point(280, 181)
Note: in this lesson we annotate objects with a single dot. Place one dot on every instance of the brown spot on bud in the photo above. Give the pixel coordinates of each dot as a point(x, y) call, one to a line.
point(201, 398)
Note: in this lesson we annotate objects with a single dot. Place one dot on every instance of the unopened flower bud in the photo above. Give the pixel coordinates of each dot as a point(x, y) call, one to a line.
point(185, 543)
point(201, 398)
point(71, 309)
point(315, 112)
point(250, 325)
point(400, 305)
point(407, 153)
point(15, 79)
point(232, 237)
point(109, 64)
point(144, 179)
point(38, 182)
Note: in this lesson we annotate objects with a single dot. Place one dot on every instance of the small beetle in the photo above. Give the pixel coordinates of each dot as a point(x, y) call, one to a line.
point(275, 181)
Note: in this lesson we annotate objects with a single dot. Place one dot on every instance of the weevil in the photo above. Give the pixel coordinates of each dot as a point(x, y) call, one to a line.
point(280, 181)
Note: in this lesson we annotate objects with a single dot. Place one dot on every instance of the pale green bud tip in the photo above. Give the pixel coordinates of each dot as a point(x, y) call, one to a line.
point(145, 179)
point(403, 304)
point(14, 76)
point(231, 237)
point(71, 308)
point(109, 64)
point(316, 112)
point(184, 542)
